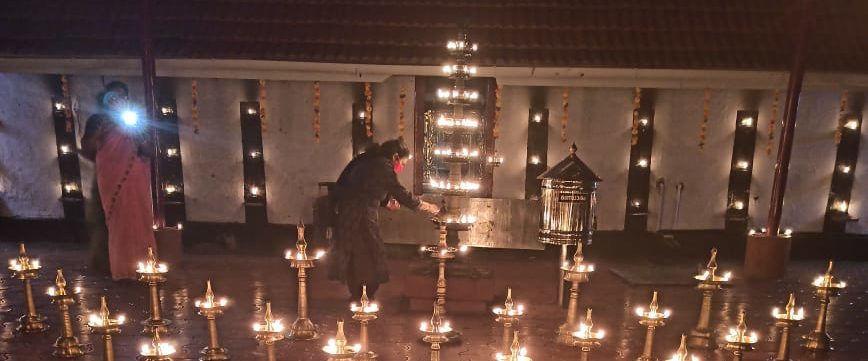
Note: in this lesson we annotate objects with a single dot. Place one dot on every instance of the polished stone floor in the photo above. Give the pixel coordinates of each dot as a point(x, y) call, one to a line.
point(250, 280)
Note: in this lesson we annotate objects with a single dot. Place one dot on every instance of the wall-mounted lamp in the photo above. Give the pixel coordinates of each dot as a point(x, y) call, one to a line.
point(642, 163)
point(255, 191)
point(361, 115)
point(643, 122)
point(852, 124)
point(739, 205)
point(172, 152)
point(840, 206)
point(746, 122)
point(252, 110)
point(537, 118)
point(170, 189)
point(70, 188)
point(844, 168)
point(59, 106)
point(64, 149)
point(742, 165)
point(255, 154)
point(166, 110)
point(534, 159)
point(636, 203)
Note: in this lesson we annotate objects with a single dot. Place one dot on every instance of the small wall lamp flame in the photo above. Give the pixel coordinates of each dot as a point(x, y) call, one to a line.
point(840, 206)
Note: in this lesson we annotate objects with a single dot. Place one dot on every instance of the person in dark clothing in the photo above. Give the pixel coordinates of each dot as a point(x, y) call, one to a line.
point(369, 181)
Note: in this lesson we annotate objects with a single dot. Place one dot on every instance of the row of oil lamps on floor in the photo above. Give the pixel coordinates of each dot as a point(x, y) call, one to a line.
point(436, 331)
point(701, 337)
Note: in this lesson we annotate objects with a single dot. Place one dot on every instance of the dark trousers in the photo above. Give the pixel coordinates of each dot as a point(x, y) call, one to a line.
point(355, 283)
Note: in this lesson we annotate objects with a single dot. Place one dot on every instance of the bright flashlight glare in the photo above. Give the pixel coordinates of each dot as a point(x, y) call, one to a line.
point(130, 118)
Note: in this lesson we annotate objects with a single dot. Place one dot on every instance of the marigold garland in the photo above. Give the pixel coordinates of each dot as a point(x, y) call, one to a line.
point(841, 113)
point(706, 105)
point(402, 96)
point(316, 112)
point(565, 104)
point(67, 106)
point(498, 106)
point(194, 100)
point(772, 121)
point(634, 129)
point(369, 110)
point(262, 100)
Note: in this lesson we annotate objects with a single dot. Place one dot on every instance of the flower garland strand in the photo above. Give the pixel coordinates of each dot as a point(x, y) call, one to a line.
point(262, 99)
point(316, 112)
point(402, 97)
point(194, 100)
point(565, 104)
point(634, 130)
point(772, 121)
point(67, 108)
point(498, 106)
point(841, 113)
point(706, 104)
point(369, 110)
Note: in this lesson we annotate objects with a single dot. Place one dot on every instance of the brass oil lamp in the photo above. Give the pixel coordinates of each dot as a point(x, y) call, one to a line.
point(210, 307)
point(25, 269)
point(268, 332)
point(67, 345)
point(826, 287)
point(681, 354)
point(364, 312)
point(157, 350)
point(442, 252)
point(516, 352)
point(651, 318)
point(338, 348)
point(586, 338)
point(435, 332)
point(784, 321)
point(102, 324)
point(701, 336)
point(576, 273)
point(509, 315)
point(738, 341)
point(303, 328)
point(153, 273)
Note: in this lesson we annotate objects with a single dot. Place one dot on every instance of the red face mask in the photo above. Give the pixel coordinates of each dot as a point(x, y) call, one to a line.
point(398, 167)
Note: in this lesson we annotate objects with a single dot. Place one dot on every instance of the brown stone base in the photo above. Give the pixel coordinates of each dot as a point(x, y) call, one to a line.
point(169, 246)
point(466, 291)
point(766, 257)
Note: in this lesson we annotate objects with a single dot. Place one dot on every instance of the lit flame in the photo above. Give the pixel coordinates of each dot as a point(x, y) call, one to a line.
point(151, 266)
point(268, 324)
point(462, 186)
point(739, 334)
point(446, 122)
point(210, 300)
point(681, 354)
point(827, 280)
point(157, 348)
point(585, 331)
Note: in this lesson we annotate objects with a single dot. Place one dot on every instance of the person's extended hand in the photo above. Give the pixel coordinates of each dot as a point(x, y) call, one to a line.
point(429, 208)
point(393, 205)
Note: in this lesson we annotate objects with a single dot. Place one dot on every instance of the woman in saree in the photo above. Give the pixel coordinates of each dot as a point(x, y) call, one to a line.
point(117, 144)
